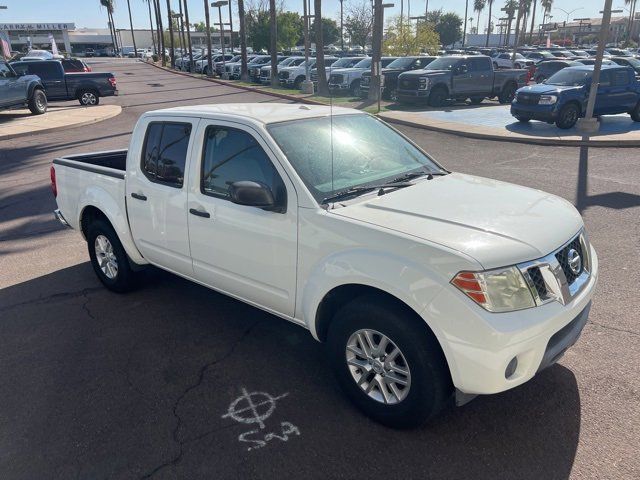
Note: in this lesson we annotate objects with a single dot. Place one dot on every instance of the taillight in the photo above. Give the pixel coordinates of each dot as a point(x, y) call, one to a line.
point(54, 186)
point(112, 81)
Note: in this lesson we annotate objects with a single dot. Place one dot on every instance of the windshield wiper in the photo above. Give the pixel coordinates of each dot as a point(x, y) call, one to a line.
point(355, 191)
point(412, 175)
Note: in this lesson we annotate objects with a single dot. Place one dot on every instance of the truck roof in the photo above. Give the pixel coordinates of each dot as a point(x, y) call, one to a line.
point(260, 112)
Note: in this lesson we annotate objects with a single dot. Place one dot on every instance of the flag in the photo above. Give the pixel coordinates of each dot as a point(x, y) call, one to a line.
point(5, 45)
point(54, 47)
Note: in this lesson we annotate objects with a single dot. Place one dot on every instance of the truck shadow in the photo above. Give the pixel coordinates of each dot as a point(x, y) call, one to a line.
point(94, 370)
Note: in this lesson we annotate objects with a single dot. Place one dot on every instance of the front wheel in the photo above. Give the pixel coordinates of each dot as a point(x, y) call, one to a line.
point(635, 113)
point(38, 102)
point(437, 97)
point(355, 89)
point(88, 98)
point(388, 363)
point(108, 258)
point(568, 116)
point(476, 100)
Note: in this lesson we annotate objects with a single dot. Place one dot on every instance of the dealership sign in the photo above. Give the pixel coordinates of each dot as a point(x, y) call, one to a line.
point(37, 26)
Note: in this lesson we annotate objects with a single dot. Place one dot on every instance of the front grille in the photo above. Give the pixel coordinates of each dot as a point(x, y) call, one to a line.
point(528, 99)
point(314, 77)
point(563, 259)
point(265, 73)
point(283, 75)
point(538, 282)
point(336, 79)
point(410, 83)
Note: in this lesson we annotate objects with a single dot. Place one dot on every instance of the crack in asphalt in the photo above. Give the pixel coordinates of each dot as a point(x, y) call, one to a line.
point(622, 330)
point(52, 297)
point(181, 443)
point(85, 305)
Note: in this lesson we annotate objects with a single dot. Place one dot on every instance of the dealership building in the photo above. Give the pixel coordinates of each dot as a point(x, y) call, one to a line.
point(75, 41)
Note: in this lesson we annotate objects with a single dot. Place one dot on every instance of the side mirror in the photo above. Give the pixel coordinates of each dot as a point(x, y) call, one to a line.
point(252, 194)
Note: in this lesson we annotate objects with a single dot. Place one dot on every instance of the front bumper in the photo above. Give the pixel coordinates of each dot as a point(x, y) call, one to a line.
point(412, 94)
point(339, 86)
point(479, 345)
point(544, 113)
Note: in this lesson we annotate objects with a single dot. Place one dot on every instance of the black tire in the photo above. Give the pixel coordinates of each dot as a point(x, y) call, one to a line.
point(38, 102)
point(297, 84)
point(635, 113)
point(88, 98)
point(205, 71)
point(568, 116)
point(476, 100)
point(508, 93)
point(354, 89)
point(438, 97)
point(124, 279)
point(430, 388)
point(523, 119)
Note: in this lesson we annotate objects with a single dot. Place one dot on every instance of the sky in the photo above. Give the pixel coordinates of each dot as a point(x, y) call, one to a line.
point(88, 13)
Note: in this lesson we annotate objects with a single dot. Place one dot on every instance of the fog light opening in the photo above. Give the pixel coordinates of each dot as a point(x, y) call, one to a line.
point(511, 368)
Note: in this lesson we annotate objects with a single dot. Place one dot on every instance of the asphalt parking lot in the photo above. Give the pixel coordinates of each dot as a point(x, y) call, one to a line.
point(160, 383)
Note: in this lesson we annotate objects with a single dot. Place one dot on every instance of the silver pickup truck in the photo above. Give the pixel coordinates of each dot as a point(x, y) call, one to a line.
point(459, 77)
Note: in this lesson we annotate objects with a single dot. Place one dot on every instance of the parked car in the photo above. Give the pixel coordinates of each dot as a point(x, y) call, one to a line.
point(72, 65)
point(504, 60)
point(391, 73)
point(536, 56)
point(229, 66)
point(265, 71)
point(592, 61)
point(87, 88)
point(348, 79)
point(255, 66)
point(236, 58)
point(547, 68)
point(293, 76)
point(563, 97)
point(89, 52)
point(202, 64)
point(17, 91)
point(425, 284)
point(628, 62)
point(459, 78)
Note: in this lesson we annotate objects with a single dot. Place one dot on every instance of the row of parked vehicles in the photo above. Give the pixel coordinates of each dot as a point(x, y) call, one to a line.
point(34, 82)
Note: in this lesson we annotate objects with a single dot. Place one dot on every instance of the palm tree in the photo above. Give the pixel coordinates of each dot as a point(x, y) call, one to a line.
point(510, 7)
point(533, 21)
point(153, 36)
point(546, 8)
point(274, 43)
point(632, 9)
point(133, 37)
point(244, 75)
point(108, 4)
point(478, 6)
point(323, 86)
point(186, 19)
point(490, 2)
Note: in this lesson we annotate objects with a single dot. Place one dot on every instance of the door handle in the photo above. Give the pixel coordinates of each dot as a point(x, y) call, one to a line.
point(139, 196)
point(199, 213)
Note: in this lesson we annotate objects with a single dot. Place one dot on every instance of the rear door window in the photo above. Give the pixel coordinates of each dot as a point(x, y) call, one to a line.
point(620, 78)
point(164, 154)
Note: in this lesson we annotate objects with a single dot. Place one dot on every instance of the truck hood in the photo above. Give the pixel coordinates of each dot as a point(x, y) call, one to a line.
point(495, 223)
point(545, 89)
point(426, 73)
point(347, 70)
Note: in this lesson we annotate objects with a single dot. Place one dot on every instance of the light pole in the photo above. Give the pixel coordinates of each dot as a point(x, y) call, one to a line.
point(583, 21)
point(178, 17)
point(219, 5)
point(375, 89)
point(588, 124)
point(230, 28)
point(567, 20)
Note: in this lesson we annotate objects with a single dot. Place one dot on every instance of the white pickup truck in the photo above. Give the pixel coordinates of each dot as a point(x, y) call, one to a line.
point(427, 285)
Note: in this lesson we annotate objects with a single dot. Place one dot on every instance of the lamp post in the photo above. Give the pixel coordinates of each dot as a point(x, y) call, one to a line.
point(375, 89)
point(219, 5)
point(230, 28)
point(583, 21)
point(567, 20)
point(588, 124)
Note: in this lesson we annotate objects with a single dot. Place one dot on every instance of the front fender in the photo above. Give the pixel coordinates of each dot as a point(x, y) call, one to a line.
point(409, 282)
point(95, 196)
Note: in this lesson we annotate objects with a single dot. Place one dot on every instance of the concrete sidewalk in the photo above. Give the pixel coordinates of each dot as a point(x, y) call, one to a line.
point(16, 123)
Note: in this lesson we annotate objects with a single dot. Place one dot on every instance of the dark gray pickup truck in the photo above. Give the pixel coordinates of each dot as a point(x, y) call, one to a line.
point(86, 87)
point(17, 91)
point(458, 77)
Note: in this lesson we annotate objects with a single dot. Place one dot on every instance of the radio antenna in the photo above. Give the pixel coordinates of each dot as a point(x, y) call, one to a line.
point(331, 134)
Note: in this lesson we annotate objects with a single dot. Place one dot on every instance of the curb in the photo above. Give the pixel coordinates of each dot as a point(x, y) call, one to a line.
point(522, 140)
point(11, 136)
point(241, 87)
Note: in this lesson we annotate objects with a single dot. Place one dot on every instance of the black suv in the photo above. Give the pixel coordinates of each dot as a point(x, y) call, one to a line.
point(391, 73)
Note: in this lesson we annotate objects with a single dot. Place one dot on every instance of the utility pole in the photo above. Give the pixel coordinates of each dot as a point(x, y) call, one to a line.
point(186, 17)
point(173, 50)
point(208, 26)
point(244, 74)
point(588, 124)
point(219, 6)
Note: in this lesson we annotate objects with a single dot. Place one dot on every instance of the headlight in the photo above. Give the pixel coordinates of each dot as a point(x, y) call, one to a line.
point(500, 290)
point(424, 83)
point(547, 99)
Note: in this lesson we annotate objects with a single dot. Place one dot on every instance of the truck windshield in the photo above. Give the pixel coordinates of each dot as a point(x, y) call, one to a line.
point(402, 62)
point(365, 63)
point(443, 63)
point(570, 78)
point(361, 151)
point(345, 62)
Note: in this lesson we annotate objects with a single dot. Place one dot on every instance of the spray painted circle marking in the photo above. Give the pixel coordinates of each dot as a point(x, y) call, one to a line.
point(252, 407)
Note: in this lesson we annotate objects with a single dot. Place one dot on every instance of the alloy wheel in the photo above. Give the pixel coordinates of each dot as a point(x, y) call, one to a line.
point(88, 98)
point(105, 257)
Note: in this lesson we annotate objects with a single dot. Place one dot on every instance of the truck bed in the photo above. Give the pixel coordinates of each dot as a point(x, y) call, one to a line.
point(112, 163)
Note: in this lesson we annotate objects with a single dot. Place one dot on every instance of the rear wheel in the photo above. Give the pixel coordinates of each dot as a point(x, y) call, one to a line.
point(88, 97)
point(297, 84)
point(438, 97)
point(388, 364)
point(508, 93)
point(476, 100)
point(108, 258)
point(568, 116)
point(38, 102)
point(635, 113)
